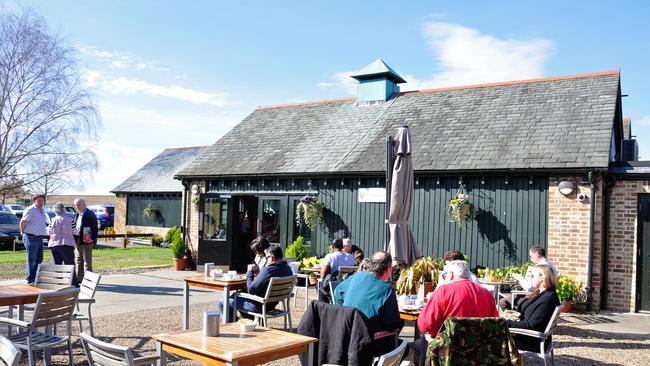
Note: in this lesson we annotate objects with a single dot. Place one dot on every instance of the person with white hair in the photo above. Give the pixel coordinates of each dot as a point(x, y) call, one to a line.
point(458, 297)
point(353, 250)
point(61, 243)
point(86, 224)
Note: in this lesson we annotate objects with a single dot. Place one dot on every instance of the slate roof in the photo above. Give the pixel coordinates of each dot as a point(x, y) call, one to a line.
point(158, 174)
point(542, 124)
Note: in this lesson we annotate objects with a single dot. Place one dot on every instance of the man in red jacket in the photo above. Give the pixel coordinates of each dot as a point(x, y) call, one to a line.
point(458, 298)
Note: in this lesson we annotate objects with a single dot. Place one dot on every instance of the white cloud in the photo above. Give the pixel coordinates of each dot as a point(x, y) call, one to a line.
point(123, 85)
point(643, 121)
point(121, 60)
point(465, 56)
point(116, 163)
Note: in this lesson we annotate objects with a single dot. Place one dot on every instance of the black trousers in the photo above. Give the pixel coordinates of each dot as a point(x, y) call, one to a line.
point(64, 254)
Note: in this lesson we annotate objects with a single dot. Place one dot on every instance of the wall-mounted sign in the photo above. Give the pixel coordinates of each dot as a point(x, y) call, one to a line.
point(372, 195)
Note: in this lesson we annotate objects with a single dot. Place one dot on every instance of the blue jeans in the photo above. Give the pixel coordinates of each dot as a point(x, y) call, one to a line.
point(34, 247)
point(241, 304)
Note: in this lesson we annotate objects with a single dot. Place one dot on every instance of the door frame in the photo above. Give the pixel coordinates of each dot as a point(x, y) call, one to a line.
point(639, 306)
point(224, 247)
point(284, 212)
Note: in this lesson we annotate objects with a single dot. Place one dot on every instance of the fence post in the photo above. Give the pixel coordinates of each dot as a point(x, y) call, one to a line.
point(126, 240)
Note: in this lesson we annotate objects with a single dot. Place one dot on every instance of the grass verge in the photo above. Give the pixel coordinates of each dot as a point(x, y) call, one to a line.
point(105, 260)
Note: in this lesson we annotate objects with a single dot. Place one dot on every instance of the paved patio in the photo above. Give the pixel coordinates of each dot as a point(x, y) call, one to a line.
point(132, 307)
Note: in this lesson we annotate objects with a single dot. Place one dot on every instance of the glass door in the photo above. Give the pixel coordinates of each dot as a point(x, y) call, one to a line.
point(297, 228)
point(272, 219)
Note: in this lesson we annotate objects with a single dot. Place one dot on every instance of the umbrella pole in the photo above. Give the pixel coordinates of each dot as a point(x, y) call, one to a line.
point(389, 175)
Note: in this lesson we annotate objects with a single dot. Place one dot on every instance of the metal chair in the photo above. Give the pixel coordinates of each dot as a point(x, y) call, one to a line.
point(278, 290)
point(51, 308)
point(343, 270)
point(87, 296)
point(106, 354)
point(305, 277)
point(333, 285)
point(9, 354)
point(542, 336)
point(392, 358)
point(54, 276)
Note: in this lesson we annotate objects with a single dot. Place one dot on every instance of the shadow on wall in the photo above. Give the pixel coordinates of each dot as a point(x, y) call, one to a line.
point(492, 230)
point(160, 219)
point(334, 224)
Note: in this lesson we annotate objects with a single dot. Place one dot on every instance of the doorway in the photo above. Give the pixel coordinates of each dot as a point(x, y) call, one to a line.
point(245, 224)
point(643, 259)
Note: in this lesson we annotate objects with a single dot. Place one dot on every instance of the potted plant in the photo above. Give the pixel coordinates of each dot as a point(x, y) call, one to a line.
point(150, 211)
point(424, 270)
point(309, 210)
point(460, 210)
point(567, 288)
point(178, 249)
point(297, 250)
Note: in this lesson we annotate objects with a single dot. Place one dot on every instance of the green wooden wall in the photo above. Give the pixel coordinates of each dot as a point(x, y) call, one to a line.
point(512, 214)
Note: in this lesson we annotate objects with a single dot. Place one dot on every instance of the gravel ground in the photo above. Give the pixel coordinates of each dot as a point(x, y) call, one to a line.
point(575, 343)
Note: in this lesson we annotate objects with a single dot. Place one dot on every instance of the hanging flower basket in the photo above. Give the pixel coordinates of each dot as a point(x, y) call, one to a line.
point(309, 210)
point(150, 211)
point(460, 210)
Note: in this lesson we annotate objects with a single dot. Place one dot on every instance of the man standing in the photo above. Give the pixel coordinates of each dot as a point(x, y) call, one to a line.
point(33, 227)
point(86, 225)
point(459, 297)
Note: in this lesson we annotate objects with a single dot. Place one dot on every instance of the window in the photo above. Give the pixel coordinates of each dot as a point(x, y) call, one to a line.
point(215, 219)
point(167, 210)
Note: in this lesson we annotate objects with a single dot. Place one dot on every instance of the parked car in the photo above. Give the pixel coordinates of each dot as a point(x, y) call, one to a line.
point(16, 210)
point(4, 208)
point(9, 229)
point(105, 215)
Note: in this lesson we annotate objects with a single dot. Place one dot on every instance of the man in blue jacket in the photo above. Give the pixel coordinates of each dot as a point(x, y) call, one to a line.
point(257, 285)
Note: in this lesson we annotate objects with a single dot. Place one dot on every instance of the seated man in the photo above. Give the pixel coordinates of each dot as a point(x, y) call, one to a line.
point(275, 267)
point(537, 255)
point(458, 297)
point(455, 255)
point(370, 293)
point(353, 250)
point(335, 259)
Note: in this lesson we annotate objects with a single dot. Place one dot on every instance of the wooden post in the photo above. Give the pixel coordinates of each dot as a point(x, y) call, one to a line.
point(126, 240)
point(13, 243)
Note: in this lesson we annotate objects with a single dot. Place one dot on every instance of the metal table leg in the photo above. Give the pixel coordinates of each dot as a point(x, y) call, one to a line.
point(226, 303)
point(186, 307)
point(162, 360)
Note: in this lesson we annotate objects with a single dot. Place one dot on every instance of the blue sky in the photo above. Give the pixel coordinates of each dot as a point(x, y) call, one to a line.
point(181, 73)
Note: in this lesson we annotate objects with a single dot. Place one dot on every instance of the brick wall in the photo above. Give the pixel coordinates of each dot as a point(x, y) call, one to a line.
point(568, 232)
point(193, 220)
point(119, 220)
point(622, 244)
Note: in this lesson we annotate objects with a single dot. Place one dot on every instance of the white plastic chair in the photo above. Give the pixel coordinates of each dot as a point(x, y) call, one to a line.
point(9, 354)
point(542, 336)
point(105, 354)
point(393, 357)
point(87, 291)
point(278, 290)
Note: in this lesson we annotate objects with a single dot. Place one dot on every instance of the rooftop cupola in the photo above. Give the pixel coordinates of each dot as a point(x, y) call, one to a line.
point(377, 82)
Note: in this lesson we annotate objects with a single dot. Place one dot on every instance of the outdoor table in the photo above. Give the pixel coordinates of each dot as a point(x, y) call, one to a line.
point(219, 284)
point(411, 315)
point(498, 283)
point(12, 295)
point(232, 348)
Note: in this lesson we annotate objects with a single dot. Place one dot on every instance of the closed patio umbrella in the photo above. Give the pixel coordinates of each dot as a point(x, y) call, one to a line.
point(402, 244)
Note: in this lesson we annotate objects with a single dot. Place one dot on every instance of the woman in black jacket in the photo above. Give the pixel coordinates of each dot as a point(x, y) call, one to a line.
point(537, 309)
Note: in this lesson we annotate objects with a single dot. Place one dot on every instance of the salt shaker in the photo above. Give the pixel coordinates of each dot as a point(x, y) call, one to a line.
point(211, 323)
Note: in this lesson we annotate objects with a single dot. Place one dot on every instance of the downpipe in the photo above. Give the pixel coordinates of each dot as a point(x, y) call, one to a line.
point(592, 178)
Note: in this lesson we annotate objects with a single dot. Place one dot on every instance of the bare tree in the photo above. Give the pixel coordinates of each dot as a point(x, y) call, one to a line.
point(47, 120)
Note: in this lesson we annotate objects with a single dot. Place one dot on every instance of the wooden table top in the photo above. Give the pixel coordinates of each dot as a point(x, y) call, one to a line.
point(503, 281)
point(232, 346)
point(216, 282)
point(411, 315)
point(311, 269)
point(19, 294)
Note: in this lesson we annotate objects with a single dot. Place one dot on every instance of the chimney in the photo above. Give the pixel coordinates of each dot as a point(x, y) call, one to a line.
point(377, 83)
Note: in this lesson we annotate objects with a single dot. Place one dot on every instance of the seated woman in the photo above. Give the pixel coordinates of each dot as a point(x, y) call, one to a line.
point(537, 309)
point(258, 246)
